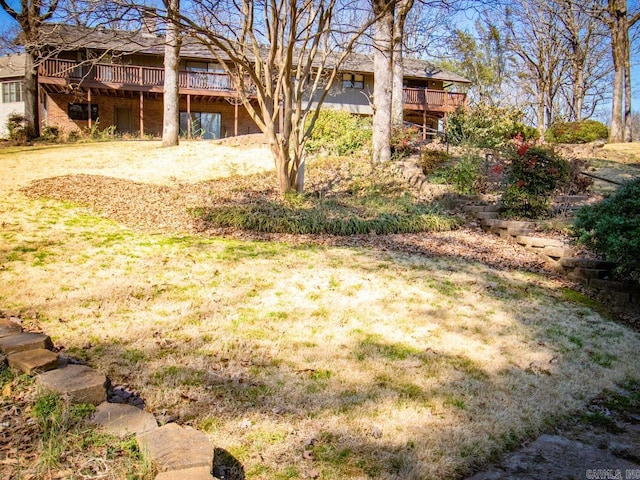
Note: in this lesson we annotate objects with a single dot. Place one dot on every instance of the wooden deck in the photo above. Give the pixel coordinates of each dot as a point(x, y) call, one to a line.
point(110, 78)
point(131, 78)
point(423, 99)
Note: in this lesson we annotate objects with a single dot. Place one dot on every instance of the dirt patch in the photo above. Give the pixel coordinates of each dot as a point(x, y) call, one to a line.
point(601, 441)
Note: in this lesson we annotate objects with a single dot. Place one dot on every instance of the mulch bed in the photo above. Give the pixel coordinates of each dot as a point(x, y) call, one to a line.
point(161, 208)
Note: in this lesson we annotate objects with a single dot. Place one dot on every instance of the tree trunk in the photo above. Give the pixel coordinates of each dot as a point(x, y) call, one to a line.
point(617, 11)
point(617, 125)
point(171, 113)
point(397, 98)
point(577, 103)
point(382, 81)
point(31, 108)
point(626, 121)
point(541, 112)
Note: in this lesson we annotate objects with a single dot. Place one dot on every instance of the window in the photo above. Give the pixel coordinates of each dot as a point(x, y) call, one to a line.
point(80, 111)
point(352, 80)
point(203, 125)
point(12, 92)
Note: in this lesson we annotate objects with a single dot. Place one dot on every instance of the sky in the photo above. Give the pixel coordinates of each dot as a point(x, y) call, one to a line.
point(6, 22)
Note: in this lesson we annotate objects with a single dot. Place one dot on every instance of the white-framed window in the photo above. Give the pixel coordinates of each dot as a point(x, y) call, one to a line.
point(352, 80)
point(12, 92)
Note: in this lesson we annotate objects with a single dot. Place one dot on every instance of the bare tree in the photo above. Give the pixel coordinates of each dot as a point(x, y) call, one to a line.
point(535, 41)
point(171, 112)
point(382, 79)
point(586, 47)
point(619, 22)
point(30, 15)
point(403, 7)
point(282, 57)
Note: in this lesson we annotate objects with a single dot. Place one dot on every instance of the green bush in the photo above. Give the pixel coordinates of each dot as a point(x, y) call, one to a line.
point(50, 134)
point(464, 174)
point(337, 132)
point(533, 174)
point(584, 131)
point(19, 131)
point(612, 228)
point(431, 160)
point(485, 126)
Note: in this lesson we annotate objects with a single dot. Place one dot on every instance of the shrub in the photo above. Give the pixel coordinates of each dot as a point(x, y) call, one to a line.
point(533, 174)
point(431, 160)
point(584, 131)
point(306, 215)
point(463, 173)
point(576, 182)
point(612, 228)
point(403, 140)
point(50, 134)
point(485, 126)
point(338, 132)
point(19, 131)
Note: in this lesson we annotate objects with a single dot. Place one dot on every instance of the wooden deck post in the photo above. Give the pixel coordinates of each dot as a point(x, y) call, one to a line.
point(189, 116)
point(235, 119)
point(89, 107)
point(424, 124)
point(141, 114)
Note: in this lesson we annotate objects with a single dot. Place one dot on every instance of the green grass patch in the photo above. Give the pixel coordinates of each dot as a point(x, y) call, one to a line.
point(581, 299)
point(345, 197)
point(327, 217)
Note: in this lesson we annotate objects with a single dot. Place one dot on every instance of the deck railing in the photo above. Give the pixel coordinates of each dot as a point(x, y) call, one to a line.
point(128, 75)
point(433, 98)
point(133, 75)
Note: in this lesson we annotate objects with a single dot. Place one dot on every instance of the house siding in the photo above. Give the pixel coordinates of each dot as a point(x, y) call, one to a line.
point(353, 100)
point(6, 109)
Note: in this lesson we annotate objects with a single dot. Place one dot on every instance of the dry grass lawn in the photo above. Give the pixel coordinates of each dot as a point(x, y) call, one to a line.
point(303, 361)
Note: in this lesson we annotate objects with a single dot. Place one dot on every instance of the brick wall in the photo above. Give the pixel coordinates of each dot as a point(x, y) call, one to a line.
point(57, 107)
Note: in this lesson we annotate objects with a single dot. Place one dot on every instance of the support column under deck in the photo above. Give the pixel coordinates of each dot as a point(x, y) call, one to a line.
point(235, 119)
point(141, 115)
point(89, 108)
point(188, 116)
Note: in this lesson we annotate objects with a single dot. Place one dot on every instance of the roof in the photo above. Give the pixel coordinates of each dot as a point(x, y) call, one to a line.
point(12, 66)
point(69, 37)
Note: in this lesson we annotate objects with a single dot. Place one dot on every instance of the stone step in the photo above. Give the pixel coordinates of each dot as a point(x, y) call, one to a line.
point(31, 361)
point(520, 232)
point(480, 208)
point(172, 447)
point(7, 328)
point(515, 224)
point(540, 242)
point(586, 263)
point(195, 473)
point(486, 215)
point(588, 273)
point(558, 252)
point(81, 383)
point(122, 420)
point(24, 341)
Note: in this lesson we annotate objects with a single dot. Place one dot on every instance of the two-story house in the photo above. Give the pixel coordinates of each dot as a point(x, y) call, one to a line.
point(116, 78)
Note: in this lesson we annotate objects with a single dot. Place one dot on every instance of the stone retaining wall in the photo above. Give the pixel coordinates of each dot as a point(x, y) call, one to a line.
point(594, 274)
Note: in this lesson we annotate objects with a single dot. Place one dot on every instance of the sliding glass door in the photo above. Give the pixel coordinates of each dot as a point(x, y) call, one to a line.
point(203, 125)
